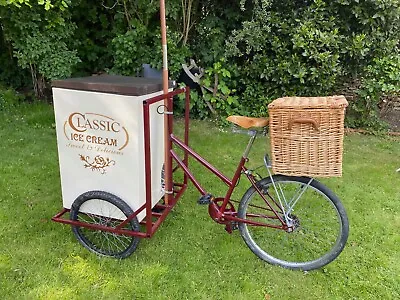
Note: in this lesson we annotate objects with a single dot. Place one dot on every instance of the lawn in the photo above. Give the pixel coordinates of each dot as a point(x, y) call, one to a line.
point(190, 257)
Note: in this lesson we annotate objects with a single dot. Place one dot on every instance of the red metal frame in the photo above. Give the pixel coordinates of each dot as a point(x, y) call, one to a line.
point(219, 212)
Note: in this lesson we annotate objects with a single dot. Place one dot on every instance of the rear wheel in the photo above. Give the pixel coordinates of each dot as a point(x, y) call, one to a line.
point(105, 209)
point(317, 221)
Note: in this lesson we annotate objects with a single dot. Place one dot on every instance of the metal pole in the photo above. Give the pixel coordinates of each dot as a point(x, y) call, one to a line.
point(167, 142)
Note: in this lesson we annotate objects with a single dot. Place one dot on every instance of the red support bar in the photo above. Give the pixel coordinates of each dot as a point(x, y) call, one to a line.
point(164, 96)
point(186, 137)
point(201, 160)
point(165, 213)
point(131, 216)
point(265, 200)
point(188, 173)
point(254, 223)
point(147, 164)
point(98, 227)
point(169, 125)
point(233, 184)
point(59, 215)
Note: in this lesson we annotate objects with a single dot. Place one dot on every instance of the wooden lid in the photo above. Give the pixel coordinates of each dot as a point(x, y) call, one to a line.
point(309, 102)
point(113, 84)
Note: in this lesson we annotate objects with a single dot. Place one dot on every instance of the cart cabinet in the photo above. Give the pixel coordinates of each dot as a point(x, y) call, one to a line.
point(100, 137)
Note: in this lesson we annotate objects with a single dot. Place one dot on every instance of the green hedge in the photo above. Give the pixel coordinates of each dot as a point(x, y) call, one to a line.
point(252, 51)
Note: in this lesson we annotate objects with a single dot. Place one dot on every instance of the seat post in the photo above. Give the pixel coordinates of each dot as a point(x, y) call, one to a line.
point(253, 135)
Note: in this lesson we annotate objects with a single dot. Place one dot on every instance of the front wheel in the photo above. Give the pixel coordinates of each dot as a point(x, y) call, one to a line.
point(318, 227)
point(104, 209)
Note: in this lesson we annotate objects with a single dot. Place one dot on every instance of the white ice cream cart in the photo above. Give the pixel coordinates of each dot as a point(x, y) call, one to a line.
point(101, 136)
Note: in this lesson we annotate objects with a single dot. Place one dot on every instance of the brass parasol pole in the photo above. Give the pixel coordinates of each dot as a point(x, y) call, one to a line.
point(167, 144)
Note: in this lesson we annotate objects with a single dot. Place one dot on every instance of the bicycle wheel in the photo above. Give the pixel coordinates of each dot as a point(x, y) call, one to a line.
point(318, 219)
point(109, 211)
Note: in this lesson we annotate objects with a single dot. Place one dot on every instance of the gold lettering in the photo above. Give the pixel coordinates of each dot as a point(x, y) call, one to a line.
point(82, 122)
point(71, 122)
point(112, 126)
point(103, 125)
point(87, 124)
point(77, 137)
point(95, 124)
point(113, 142)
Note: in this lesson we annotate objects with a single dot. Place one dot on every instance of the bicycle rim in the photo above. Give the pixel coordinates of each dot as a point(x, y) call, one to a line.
point(320, 226)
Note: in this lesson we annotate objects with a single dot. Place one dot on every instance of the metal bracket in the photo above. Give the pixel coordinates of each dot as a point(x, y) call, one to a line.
point(248, 172)
point(164, 112)
point(194, 77)
point(267, 161)
point(250, 132)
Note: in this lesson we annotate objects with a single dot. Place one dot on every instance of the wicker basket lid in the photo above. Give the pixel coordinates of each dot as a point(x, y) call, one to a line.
point(309, 102)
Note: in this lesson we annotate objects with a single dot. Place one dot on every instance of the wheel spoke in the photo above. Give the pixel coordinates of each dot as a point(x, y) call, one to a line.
point(300, 191)
point(107, 210)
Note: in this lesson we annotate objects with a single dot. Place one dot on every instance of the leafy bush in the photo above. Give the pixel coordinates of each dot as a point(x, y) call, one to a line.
point(131, 50)
point(220, 97)
point(10, 74)
point(139, 46)
point(39, 37)
point(216, 96)
point(96, 26)
point(381, 78)
point(292, 49)
point(215, 21)
point(269, 48)
point(307, 48)
point(177, 54)
point(47, 53)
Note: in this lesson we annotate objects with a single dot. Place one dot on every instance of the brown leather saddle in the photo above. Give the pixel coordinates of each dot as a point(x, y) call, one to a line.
point(247, 122)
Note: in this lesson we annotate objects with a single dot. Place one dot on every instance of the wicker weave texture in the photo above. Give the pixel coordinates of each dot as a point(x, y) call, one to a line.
point(307, 141)
point(309, 102)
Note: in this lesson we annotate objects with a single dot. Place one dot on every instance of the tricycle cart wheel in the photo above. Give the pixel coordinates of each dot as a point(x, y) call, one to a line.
point(111, 211)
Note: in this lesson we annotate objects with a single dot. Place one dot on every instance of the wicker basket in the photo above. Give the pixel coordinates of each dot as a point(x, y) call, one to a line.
point(307, 135)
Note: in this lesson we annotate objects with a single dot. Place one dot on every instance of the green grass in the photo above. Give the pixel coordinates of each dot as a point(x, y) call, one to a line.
point(190, 257)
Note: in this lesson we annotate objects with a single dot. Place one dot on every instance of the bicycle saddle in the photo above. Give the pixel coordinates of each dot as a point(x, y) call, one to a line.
point(247, 122)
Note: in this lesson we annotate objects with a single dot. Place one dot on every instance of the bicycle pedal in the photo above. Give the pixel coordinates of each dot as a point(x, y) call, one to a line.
point(231, 227)
point(205, 199)
point(235, 225)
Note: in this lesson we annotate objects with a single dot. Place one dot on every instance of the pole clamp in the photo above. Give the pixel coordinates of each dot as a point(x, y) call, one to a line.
point(164, 111)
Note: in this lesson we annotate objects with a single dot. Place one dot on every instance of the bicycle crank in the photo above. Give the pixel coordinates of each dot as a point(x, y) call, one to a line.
point(214, 210)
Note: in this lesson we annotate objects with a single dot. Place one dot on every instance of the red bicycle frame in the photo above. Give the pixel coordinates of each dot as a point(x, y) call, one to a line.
point(218, 213)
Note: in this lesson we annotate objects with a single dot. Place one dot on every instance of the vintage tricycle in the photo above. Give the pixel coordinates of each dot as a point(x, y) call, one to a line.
point(295, 222)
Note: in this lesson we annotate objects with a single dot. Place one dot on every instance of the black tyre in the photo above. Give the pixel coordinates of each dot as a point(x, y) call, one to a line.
point(318, 219)
point(110, 211)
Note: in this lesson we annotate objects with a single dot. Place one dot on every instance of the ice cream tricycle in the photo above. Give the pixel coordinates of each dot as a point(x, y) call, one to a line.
point(112, 144)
